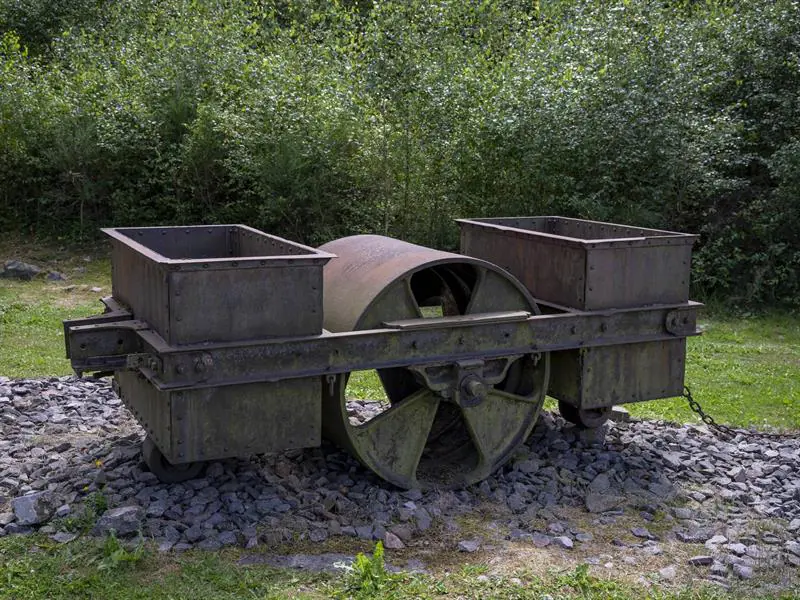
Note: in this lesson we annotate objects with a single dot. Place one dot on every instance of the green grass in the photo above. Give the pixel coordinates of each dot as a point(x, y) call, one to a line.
point(31, 312)
point(743, 371)
point(33, 568)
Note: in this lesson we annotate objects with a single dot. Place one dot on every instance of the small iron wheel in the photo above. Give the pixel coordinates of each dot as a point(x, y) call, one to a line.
point(585, 418)
point(165, 470)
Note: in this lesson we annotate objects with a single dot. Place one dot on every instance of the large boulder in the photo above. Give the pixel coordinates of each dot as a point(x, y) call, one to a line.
point(16, 269)
point(125, 520)
point(33, 509)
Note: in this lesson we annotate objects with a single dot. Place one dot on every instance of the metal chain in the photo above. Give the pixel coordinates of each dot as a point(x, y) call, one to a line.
point(724, 430)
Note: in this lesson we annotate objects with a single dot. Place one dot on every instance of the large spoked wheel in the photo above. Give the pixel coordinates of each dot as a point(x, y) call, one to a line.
point(585, 418)
point(165, 470)
point(445, 425)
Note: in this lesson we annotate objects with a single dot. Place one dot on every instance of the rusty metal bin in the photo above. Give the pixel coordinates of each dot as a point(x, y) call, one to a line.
point(579, 265)
point(586, 265)
point(216, 284)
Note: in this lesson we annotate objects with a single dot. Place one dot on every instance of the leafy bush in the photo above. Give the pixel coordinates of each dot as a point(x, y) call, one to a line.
point(316, 120)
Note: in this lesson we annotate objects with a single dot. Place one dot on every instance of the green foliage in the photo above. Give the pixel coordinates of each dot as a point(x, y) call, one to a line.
point(94, 505)
point(115, 555)
point(367, 577)
point(322, 119)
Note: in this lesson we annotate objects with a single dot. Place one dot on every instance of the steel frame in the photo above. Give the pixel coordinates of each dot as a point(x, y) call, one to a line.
point(115, 341)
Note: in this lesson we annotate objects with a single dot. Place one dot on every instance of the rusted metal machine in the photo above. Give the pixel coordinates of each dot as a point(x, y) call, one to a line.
point(225, 341)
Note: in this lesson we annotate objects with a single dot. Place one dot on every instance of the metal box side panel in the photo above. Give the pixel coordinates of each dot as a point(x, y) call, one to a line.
point(182, 243)
point(622, 277)
point(227, 305)
point(150, 407)
point(605, 376)
point(254, 243)
point(552, 272)
point(142, 285)
point(240, 420)
point(566, 376)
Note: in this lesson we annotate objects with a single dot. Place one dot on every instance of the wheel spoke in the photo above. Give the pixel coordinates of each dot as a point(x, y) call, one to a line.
point(392, 443)
point(497, 425)
point(492, 293)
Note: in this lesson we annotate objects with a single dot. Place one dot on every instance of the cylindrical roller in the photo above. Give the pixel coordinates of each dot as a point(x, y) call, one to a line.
point(424, 438)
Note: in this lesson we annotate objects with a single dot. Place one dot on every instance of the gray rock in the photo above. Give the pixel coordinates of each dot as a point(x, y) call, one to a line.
point(328, 562)
point(715, 541)
point(693, 536)
point(16, 269)
point(228, 538)
point(652, 549)
point(529, 467)
point(737, 549)
point(33, 509)
point(124, 521)
point(364, 532)
point(743, 571)
point(210, 544)
point(701, 560)
point(319, 535)
point(642, 532)
point(672, 460)
point(668, 573)
point(63, 537)
point(597, 502)
point(792, 547)
point(682, 513)
point(719, 569)
point(392, 542)
point(540, 540)
point(563, 541)
point(600, 484)
point(6, 518)
point(756, 552)
point(469, 545)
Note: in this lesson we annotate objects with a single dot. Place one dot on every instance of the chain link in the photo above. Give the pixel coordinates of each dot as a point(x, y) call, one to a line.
point(723, 430)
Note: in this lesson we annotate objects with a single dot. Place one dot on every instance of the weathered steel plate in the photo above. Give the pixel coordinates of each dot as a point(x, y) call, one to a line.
point(586, 265)
point(217, 283)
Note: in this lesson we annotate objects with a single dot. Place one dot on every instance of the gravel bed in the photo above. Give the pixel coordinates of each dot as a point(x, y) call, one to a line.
point(67, 445)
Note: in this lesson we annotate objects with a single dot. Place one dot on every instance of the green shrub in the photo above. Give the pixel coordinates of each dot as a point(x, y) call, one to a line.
point(316, 120)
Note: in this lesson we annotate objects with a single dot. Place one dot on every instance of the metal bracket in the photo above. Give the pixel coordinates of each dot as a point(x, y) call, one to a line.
point(465, 379)
point(142, 361)
point(681, 322)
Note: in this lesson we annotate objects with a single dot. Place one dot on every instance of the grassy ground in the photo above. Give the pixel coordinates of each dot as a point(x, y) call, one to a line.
point(745, 371)
point(86, 568)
